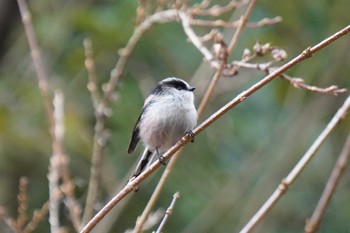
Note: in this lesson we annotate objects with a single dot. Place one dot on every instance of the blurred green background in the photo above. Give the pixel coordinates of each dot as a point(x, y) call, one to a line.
point(232, 167)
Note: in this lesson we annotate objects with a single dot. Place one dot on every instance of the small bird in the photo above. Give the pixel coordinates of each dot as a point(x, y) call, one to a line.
point(167, 114)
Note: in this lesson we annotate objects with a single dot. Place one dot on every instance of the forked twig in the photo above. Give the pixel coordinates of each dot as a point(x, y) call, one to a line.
point(38, 216)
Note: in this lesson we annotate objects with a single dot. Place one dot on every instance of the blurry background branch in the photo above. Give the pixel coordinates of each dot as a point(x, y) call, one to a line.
point(287, 182)
point(314, 222)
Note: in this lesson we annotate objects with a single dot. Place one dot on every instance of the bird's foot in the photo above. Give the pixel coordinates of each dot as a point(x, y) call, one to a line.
point(161, 160)
point(191, 135)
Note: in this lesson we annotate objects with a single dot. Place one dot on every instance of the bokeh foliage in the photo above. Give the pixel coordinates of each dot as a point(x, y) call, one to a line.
point(232, 167)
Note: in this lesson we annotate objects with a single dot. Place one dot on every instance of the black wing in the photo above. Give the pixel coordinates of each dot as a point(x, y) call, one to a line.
point(135, 138)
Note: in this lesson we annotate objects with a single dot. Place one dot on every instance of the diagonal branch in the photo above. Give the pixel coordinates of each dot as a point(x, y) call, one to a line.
point(168, 212)
point(339, 168)
point(240, 98)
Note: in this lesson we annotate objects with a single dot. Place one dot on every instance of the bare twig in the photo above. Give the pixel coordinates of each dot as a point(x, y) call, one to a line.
point(313, 223)
point(151, 202)
point(54, 169)
point(216, 10)
point(61, 161)
point(300, 83)
point(38, 216)
point(11, 223)
point(22, 198)
point(240, 98)
point(99, 136)
point(185, 20)
point(37, 60)
point(90, 67)
point(242, 23)
point(288, 181)
point(296, 82)
point(221, 23)
point(71, 203)
point(158, 17)
point(210, 89)
point(58, 163)
point(168, 212)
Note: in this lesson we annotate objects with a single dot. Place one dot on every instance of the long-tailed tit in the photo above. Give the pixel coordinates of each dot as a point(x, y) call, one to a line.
point(167, 114)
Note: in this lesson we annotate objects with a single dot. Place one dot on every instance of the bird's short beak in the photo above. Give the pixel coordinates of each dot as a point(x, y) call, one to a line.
point(192, 89)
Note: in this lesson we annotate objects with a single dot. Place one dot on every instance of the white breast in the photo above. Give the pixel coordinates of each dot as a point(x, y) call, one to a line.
point(165, 121)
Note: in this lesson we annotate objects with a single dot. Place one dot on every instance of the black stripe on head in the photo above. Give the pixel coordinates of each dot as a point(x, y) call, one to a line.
point(175, 83)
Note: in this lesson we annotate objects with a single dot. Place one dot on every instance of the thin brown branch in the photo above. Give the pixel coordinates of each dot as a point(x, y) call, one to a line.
point(185, 20)
point(242, 23)
point(22, 198)
point(58, 169)
point(168, 212)
point(71, 203)
point(54, 168)
point(11, 223)
point(99, 136)
point(38, 216)
point(91, 70)
point(299, 167)
point(313, 223)
point(300, 83)
point(210, 89)
point(221, 23)
point(38, 64)
point(158, 17)
point(216, 10)
point(296, 82)
point(155, 195)
point(237, 100)
point(67, 186)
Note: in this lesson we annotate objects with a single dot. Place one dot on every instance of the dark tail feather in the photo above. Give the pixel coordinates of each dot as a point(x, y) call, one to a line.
point(144, 161)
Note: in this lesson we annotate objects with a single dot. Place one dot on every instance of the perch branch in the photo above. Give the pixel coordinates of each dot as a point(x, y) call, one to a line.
point(240, 98)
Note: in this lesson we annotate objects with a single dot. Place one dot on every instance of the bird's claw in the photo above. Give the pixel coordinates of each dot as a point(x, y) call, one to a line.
point(191, 134)
point(161, 160)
